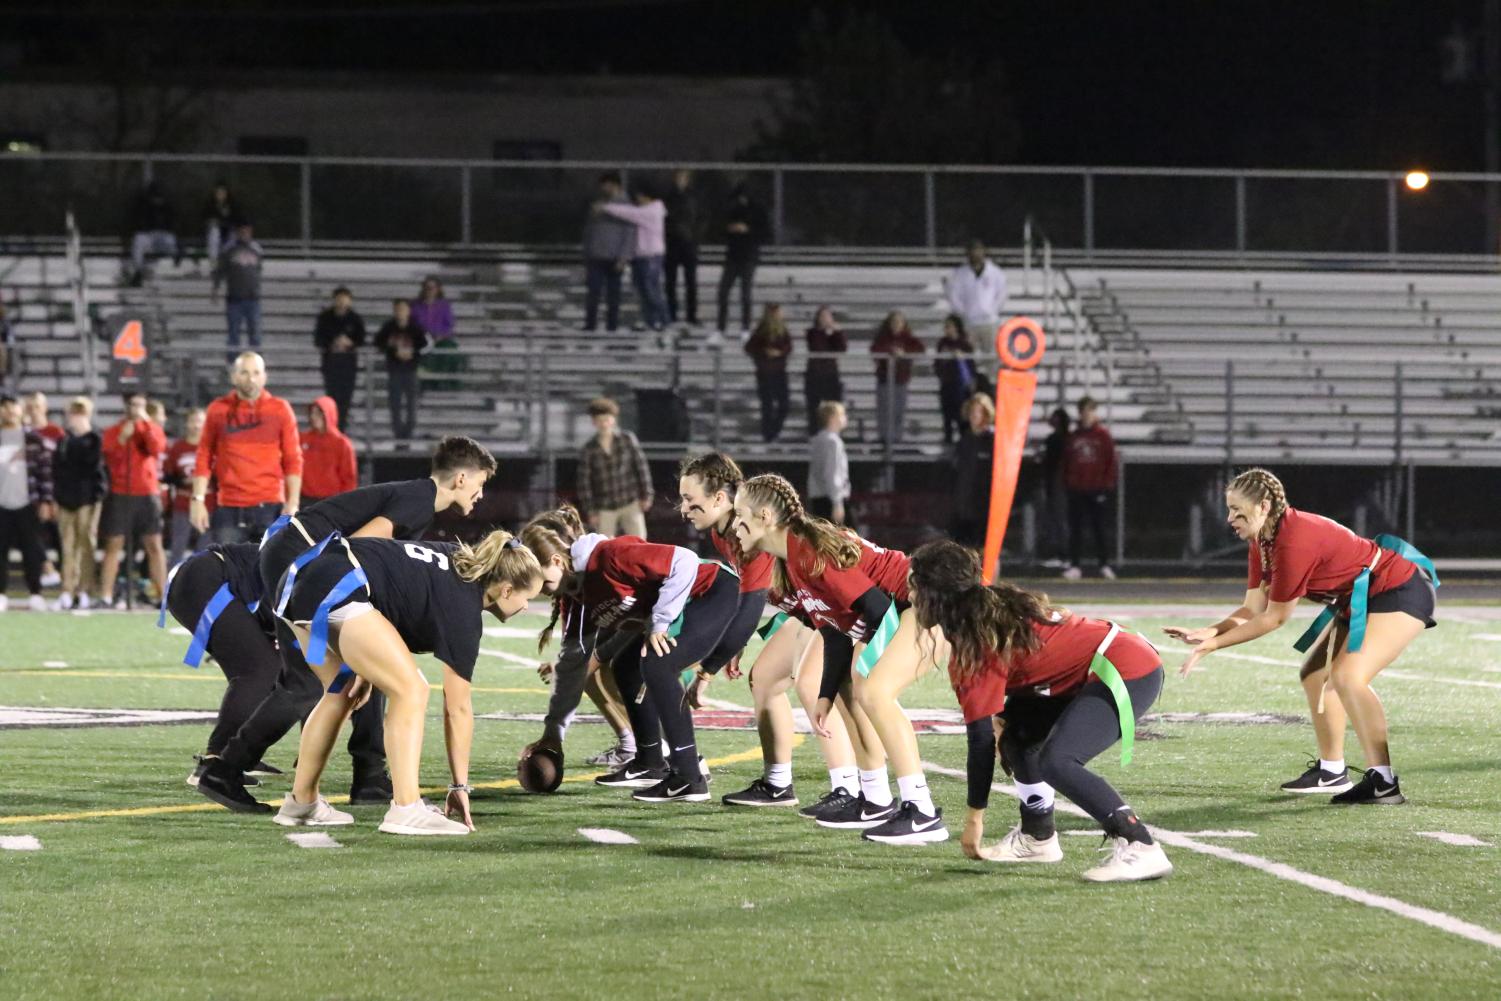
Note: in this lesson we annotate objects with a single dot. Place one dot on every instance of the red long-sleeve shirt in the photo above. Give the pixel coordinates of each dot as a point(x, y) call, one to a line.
point(134, 467)
point(1089, 460)
point(251, 446)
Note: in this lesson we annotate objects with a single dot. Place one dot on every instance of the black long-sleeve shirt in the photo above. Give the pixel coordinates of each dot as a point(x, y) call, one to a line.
point(838, 648)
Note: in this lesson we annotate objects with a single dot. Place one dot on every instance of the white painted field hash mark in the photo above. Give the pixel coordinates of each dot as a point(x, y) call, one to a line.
point(1458, 840)
point(313, 839)
point(1422, 915)
point(54, 663)
point(20, 843)
point(605, 836)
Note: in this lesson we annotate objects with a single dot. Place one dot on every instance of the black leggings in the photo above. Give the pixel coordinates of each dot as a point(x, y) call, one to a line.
point(238, 642)
point(1052, 739)
point(659, 708)
point(739, 631)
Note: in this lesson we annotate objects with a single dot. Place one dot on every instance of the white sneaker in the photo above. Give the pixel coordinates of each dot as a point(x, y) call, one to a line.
point(315, 814)
point(52, 579)
point(84, 604)
point(1019, 847)
point(1107, 573)
point(64, 602)
point(1072, 573)
point(420, 818)
point(1131, 862)
point(36, 603)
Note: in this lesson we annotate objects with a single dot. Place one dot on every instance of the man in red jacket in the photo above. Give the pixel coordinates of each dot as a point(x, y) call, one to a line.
point(327, 454)
point(133, 506)
point(250, 446)
point(1089, 477)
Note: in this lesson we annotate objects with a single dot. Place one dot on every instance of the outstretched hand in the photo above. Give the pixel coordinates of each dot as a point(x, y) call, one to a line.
point(457, 805)
point(1193, 637)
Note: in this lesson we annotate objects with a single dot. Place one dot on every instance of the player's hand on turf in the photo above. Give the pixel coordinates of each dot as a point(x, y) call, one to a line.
point(544, 671)
point(819, 717)
point(457, 806)
point(658, 643)
point(1193, 637)
point(974, 834)
point(732, 669)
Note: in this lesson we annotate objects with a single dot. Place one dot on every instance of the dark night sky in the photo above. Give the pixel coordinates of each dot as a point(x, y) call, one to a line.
point(1343, 83)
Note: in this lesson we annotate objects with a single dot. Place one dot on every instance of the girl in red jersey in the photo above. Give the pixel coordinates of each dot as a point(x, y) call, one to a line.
point(706, 487)
point(627, 586)
point(856, 594)
point(1050, 690)
point(1380, 596)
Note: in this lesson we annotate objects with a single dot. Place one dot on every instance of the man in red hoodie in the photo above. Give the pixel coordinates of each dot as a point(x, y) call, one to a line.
point(327, 454)
point(250, 446)
point(1089, 476)
point(133, 506)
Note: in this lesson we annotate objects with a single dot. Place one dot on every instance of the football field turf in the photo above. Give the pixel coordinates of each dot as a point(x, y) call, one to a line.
point(142, 889)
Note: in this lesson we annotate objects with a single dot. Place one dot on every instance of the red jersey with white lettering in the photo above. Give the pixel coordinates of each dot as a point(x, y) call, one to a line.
point(755, 573)
point(624, 577)
point(829, 597)
point(1058, 667)
point(788, 603)
point(1317, 558)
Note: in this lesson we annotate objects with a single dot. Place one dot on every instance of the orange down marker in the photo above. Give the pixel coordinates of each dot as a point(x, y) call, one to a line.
point(1020, 345)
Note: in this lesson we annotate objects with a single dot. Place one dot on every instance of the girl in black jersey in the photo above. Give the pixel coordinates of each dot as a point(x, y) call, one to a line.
point(372, 603)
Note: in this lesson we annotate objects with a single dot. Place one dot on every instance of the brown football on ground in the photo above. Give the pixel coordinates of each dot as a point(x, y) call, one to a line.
point(540, 770)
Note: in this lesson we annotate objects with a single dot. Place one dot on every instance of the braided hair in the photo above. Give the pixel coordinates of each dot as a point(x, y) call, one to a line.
point(829, 542)
point(550, 534)
point(717, 471)
point(1257, 485)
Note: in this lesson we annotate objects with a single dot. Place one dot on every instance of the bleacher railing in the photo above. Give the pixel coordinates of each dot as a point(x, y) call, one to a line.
point(1092, 213)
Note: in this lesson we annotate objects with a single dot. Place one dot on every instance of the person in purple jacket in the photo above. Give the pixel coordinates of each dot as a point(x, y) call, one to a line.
point(432, 311)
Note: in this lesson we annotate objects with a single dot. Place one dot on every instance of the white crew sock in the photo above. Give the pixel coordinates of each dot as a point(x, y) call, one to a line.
point(779, 775)
point(1385, 771)
point(847, 779)
point(1037, 797)
point(875, 787)
point(914, 789)
point(1336, 766)
point(628, 742)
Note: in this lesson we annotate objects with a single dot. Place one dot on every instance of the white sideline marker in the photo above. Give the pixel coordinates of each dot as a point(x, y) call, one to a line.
point(1422, 915)
point(1458, 840)
point(20, 843)
point(605, 836)
point(313, 839)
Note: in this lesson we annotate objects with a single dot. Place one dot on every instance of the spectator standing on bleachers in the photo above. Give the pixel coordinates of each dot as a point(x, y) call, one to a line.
point(219, 213)
point(80, 482)
point(829, 466)
point(608, 245)
point(133, 506)
point(955, 367)
point(821, 382)
point(769, 347)
point(34, 415)
point(745, 230)
point(177, 474)
point(973, 457)
point(1089, 477)
point(1053, 495)
point(328, 463)
point(894, 342)
point(153, 230)
point(239, 271)
point(614, 478)
point(977, 290)
point(433, 312)
point(251, 448)
point(339, 335)
point(25, 500)
point(684, 230)
point(649, 216)
point(402, 339)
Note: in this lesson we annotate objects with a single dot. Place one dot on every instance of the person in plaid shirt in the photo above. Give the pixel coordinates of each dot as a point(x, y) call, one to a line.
point(614, 480)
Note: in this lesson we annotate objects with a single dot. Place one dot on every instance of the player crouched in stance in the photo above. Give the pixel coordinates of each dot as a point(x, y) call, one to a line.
point(1380, 596)
point(372, 603)
point(1070, 688)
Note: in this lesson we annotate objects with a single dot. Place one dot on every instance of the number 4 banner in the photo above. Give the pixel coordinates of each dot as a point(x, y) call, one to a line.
point(130, 351)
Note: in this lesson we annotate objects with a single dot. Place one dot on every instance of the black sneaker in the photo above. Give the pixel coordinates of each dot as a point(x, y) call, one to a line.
point(263, 770)
point(226, 786)
point(675, 790)
point(910, 826)
point(762, 793)
point(1316, 780)
point(371, 790)
point(857, 814)
point(1372, 788)
point(832, 801)
point(200, 765)
point(629, 776)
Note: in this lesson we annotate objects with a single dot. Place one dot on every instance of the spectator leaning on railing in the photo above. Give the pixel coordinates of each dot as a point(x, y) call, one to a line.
point(894, 341)
point(25, 499)
point(133, 507)
point(614, 479)
point(239, 271)
point(80, 482)
point(977, 290)
point(339, 335)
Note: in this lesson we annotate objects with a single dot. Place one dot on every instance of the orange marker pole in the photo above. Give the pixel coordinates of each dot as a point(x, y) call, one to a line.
point(1020, 345)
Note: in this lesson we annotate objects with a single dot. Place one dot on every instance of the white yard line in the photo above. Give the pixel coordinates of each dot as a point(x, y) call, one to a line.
point(512, 658)
point(313, 839)
point(606, 836)
point(20, 843)
point(1459, 840)
point(1388, 673)
point(1423, 915)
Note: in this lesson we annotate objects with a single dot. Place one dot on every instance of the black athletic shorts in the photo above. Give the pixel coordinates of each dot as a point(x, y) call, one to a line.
point(1417, 598)
point(128, 514)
